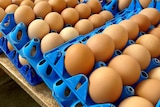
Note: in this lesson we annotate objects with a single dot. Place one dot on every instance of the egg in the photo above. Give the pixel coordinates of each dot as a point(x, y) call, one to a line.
point(102, 46)
point(119, 35)
point(57, 5)
point(22, 60)
point(11, 8)
point(38, 29)
point(1, 34)
point(155, 31)
point(21, 16)
point(42, 8)
point(2, 14)
point(36, 1)
point(127, 67)
point(122, 4)
point(84, 26)
point(70, 16)
point(95, 6)
point(79, 59)
point(154, 73)
point(129, 25)
point(145, 3)
point(142, 21)
point(17, 2)
point(151, 42)
point(135, 101)
point(50, 41)
point(28, 3)
point(107, 92)
point(5, 3)
point(84, 10)
point(10, 47)
point(71, 3)
point(97, 20)
point(107, 15)
point(153, 15)
point(68, 33)
point(149, 89)
point(55, 21)
point(140, 53)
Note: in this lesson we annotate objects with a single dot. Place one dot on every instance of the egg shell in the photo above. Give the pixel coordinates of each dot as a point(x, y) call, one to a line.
point(11, 8)
point(155, 31)
point(2, 14)
point(5, 3)
point(102, 46)
point(151, 42)
point(149, 89)
point(145, 3)
point(127, 67)
point(79, 59)
point(119, 35)
point(122, 4)
point(10, 47)
point(57, 5)
point(22, 60)
point(1, 34)
point(107, 15)
point(108, 92)
point(28, 3)
point(135, 101)
point(71, 3)
point(95, 6)
point(36, 1)
point(154, 73)
point(17, 2)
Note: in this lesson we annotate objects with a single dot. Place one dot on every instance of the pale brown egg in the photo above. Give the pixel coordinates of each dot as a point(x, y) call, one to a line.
point(135, 101)
point(122, 4)
point(140, 53)
point(22, 60)
point(70, 16)
point(152, 14)
point(127, 67)
point(107, 92)
point(131, 27)
point(38, 29)
point(24, 14)
point(11, 8)
point(107, 15)
point(142, 21)
point(84, 10)
point(102, 46)
point(10, 47)
point(149, 89)
point(155, 31)
point(42, 8)
point(55, 21)
point(151, 42)
point(119, 35)
point(79, 59)
point(1, 35)
point(145, 3)
point(95, 6)
point(154, 73)
point(57, 5)
point(97, 20)
point(2, 14)
point(17, 2)
point(51, 41)
point(84, 26)
point(69, 33)
point(5, 3)
point(36, 1)
point(71, 3)
point(28, 3)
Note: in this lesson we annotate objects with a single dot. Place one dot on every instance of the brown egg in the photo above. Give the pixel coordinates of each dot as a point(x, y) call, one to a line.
point(135, 101)
point(142, 21)
point(140, 53)
point(57, 5)
point(22, 60)
point(5, 3)
point(1, 34)
point(70, 16)
point(107, 92)
point(119, 35)
point(84, 26)
point(129, 25)
point(2, 14)
point(42, 8)
point(68, 33)
point(11, 8)
point(50, 41)
point(154, 73)
point(155, 31)
point(149, 89)
point(79, 59)
point(21, 16)
point(122, 4)
point(127, 67)
point(71, 3)
point(107, 15)
point(28, 3)
point(38, 29)
point(10, 47)
point(145, 3)
point(151, 42)
point(97, 20)
point(36, 1)
point(17, 2)
point(84, 10)
point(55, 21)
point(153, 15)
point(102, 46)
point(95, 6)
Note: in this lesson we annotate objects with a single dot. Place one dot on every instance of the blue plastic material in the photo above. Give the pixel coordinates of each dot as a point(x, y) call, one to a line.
point(155, 62)
point(158, 104)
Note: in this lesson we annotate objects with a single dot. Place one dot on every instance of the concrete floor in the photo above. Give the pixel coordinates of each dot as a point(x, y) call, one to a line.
point(12, 95)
